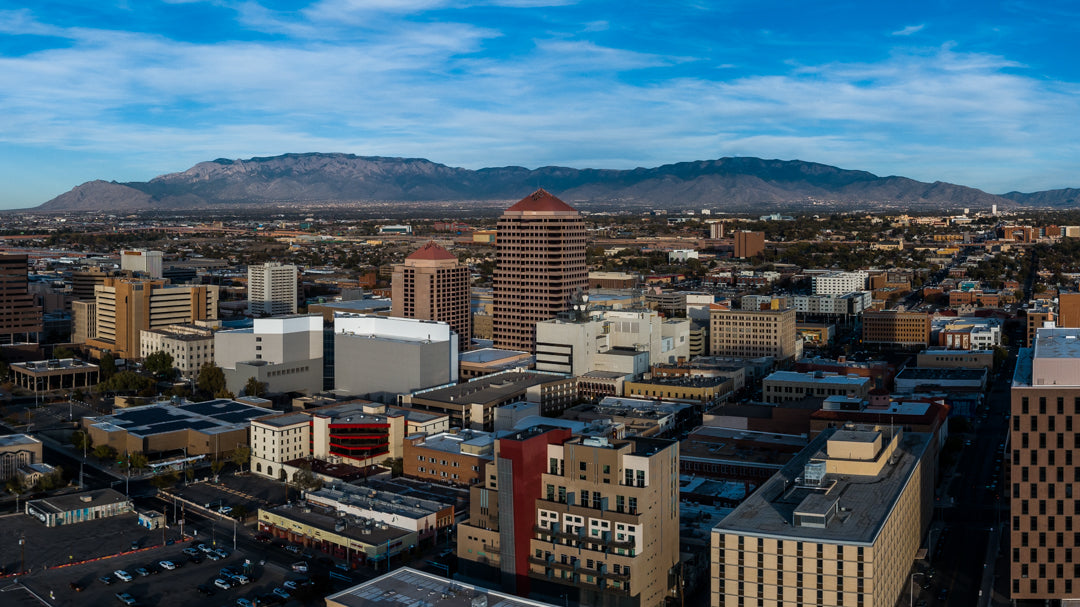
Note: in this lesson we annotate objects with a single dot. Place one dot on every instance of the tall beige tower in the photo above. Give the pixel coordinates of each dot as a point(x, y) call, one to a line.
point(433, 285)
point(539, 266)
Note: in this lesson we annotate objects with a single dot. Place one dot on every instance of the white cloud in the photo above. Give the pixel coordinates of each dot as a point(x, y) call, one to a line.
point(909, 30)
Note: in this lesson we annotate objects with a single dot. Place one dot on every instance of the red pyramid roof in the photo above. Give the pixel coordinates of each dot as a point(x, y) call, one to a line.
point(431, 251)
point(541, 200)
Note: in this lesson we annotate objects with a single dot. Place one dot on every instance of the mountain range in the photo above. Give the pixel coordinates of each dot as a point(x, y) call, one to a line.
point(726, 184)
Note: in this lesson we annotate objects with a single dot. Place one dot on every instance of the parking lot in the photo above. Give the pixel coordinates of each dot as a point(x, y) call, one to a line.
point(159, 586)
point(52, 546)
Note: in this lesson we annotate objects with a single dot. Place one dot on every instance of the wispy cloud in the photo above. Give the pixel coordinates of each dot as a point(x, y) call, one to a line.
point(389, 78)
point(909, 30)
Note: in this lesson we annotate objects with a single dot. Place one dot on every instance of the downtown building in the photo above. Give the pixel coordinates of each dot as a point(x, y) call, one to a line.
point(840, 524)
point(20, 317)
point(539, 270)
point(1043, 503)
point(432, 285)
point(589, 517)
point(753, 333)
point(272, 289)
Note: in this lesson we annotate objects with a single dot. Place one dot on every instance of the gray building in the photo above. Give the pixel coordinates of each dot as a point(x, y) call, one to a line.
point(379, 357)
point(284, 352)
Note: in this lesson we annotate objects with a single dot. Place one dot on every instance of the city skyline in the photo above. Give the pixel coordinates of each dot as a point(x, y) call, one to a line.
point(973, 94)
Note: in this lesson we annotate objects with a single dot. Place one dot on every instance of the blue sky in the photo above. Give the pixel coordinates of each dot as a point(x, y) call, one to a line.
point(985, 94)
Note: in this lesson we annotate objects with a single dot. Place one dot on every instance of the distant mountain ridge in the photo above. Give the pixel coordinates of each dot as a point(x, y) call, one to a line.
point(726, 184)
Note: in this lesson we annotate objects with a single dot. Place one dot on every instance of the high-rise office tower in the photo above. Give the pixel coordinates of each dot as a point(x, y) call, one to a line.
point(124, 307)
point(20, 318)
point(433, 285)
point(271, 289)
point(539, 267)
point(1043, 504)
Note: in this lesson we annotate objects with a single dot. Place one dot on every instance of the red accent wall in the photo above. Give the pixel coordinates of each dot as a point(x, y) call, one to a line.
point(530, 461)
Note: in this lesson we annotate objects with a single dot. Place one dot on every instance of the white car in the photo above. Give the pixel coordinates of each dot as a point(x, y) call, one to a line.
point(169, 565)
point(300, 567)
point(123, 575)
point(223, 583)
point(241, 579)
point(205, 548)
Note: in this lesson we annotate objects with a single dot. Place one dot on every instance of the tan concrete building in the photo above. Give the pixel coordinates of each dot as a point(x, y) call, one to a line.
point(891, 327)
point(752, 333)
point(840, 524)
point(1045, 401)
point(83, 321)
point(125, 307)
point(190, 346)
point(1037, 317)
point(433, 285)
point(787, 386)
point(472, 404)
point(938, 358)
point(540, 267)
point(64, 374)
point(272, 289)
point(581, 514)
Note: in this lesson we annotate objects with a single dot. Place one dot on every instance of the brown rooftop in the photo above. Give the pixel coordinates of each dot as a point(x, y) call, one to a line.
point(431, 252)
point(541, 200)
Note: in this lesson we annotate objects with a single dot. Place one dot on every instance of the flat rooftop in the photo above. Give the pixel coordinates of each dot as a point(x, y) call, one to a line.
point(78, 501)
point(210, 417)
point(373, 536)
point(867, 501)
point(489, 388)
point(490, 355)
point(407, 587)
point(933, 373)
point(14, 440)
point(849, 381)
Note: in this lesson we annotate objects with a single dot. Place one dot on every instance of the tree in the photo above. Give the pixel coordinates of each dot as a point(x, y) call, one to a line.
point(211, 380)
point(254, 387)
point(138, 460)
point(166, 480)
point(305, 479)
point(104, 452)
point(241, 456)
point(160, 363)
point(128, 381)
point(63, 352)
point(81, 440)
point(217, 465)
point(107, 366)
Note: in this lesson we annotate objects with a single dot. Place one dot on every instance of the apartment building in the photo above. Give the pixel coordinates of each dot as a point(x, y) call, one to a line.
point(472, 404)
point(895, 328)
point(752, 333)
point(627, 342)
point(587, 515)
point(748, 244)
point(1045, 401)
point(540, 267)
point(457, 457)
point(840, 524)
point(433, 285)
point(839, 283)
point(272, 289)
point(124, 307)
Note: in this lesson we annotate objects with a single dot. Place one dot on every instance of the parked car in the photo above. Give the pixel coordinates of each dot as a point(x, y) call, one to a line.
point(205, 589)
point(120, 574)
point(241, 579)
point(242, 602)
point(142, 571)
point(229, 571)
point(282, 593)
point(292, 549)
point(300, 567)
point(168, 565)
point(223, 583)
point(77, 586)
point(213, 556)
point(223, 553)
point(225, 509)
point(125, 598)
point(197, 558)
point(108, 580)
point(204, 548)
point(190, 551)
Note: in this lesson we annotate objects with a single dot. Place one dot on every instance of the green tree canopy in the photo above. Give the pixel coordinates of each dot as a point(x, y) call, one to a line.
point(127, 381)
point(81, 440)
point(104, 452)
point(211, 380)
point(160, 363)
point(63, 352)
point(107, 365)
point(241, 456)
point(254, 387)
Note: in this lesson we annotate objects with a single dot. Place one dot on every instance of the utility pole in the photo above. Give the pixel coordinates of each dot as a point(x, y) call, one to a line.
point(22, 547)
point(234, 535)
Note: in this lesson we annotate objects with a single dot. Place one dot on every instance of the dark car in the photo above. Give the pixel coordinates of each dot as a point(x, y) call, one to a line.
point(205, 589)
point(197, 558)
point(77, 586)
point(108, 580)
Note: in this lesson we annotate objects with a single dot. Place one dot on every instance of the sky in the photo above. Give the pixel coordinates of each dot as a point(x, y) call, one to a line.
point(979, 93)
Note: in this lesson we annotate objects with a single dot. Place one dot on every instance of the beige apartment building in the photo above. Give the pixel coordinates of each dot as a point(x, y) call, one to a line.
point(583, 514)
point(433, 285)
point(539, 268)
point(1045, 401)
point(752, 333)
point(839, 525)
